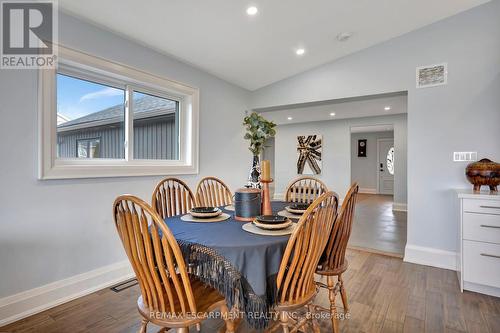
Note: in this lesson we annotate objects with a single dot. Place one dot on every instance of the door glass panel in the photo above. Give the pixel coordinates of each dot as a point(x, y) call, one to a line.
point(390, 161)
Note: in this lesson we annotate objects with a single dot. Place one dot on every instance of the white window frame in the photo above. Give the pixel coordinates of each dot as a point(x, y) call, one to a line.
point(91, 67)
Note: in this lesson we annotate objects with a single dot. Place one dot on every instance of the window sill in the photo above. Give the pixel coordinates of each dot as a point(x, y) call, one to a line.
point(119, 168)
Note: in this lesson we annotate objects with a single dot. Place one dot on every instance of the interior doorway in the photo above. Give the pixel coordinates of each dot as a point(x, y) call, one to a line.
point(378, 227)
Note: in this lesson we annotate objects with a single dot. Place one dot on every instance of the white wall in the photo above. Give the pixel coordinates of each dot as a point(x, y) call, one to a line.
point(364, 170)
point(464, 115)
point(51, 230)
point(336, 169)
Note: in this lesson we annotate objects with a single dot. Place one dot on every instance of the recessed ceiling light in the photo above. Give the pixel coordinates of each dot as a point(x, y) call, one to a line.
point(300, 51)
point(387, 108)
point(332, 114)
point(252, 10)
point(289, 118)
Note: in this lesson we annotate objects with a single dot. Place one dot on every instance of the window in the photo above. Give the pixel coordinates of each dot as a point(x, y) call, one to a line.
point(88, 148)
point(102, 119)
point(390, 161)
point(87, 110)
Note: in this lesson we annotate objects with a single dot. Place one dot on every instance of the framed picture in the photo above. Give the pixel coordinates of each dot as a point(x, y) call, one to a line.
point(362, 148)
point(309, 150)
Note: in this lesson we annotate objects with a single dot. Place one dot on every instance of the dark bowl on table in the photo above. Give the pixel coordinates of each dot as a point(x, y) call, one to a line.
point(299, 206)
point(271, 219)
point(205, 212)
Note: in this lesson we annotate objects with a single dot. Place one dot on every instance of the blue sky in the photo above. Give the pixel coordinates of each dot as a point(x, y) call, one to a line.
point(77, 98)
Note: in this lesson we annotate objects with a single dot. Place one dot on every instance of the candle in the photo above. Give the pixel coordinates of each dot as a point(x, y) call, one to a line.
point(266, 170)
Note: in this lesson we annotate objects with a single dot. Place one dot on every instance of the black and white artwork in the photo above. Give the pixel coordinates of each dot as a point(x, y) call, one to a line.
point(309, 150)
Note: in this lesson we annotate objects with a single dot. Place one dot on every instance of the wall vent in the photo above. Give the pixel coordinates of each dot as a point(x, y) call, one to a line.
point(432, 75)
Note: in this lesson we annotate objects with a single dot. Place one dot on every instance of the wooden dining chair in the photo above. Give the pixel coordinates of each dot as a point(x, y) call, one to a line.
point(295, 280)
point(213, 192)
point(169, 298)
point(304, 189)
point(172, 197)
point(333, 263)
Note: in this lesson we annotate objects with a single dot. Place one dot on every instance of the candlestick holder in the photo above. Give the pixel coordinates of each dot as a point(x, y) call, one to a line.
point(266, 198)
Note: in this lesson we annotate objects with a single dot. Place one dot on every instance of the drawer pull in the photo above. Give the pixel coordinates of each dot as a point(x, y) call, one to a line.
point(490, 255)
point(494, 207)
point(490, 226)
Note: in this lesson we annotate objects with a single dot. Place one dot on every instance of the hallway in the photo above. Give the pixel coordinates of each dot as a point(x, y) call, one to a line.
point(377, 227)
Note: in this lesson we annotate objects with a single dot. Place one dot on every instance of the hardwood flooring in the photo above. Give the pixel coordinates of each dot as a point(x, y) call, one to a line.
point(377, 227)
point(385, 295)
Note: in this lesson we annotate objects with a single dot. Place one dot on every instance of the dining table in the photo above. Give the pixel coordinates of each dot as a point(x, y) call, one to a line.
point(242, 266)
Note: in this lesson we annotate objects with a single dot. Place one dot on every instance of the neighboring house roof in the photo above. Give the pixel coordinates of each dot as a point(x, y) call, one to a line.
point(144, 107)
point(61, 119)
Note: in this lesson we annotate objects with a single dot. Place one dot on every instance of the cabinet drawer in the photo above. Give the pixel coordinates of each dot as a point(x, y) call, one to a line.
point(481, 227)
point(481, 206)
point(481, 263)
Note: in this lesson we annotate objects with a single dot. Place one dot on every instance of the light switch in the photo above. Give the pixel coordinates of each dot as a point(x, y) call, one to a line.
point(464, 156)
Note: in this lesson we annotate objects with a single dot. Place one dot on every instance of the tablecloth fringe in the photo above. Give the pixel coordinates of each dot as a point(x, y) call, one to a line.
point(214, 270)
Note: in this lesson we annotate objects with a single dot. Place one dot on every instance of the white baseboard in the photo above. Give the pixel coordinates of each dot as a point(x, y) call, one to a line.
point(401, 207)
point(30, 302)
point(479, 288)
point(430, 257)
point(367, 190)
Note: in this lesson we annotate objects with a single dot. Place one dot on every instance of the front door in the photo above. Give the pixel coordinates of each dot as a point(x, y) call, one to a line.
point(386, 166)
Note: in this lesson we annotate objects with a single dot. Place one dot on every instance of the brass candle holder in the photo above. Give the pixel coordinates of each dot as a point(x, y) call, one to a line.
point(266, 198)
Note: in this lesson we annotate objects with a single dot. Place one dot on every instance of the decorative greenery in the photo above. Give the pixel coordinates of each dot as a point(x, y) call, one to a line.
point(258, 131)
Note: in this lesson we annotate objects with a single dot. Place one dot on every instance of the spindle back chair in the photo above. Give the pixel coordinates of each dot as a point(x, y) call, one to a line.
point(333, 262)
point(304, 189)
point(213, 192)
point(172, 197)
point(295, 280)
point(169, 296)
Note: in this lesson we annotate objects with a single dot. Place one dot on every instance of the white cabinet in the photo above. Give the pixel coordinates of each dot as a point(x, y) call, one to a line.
point(479, 251)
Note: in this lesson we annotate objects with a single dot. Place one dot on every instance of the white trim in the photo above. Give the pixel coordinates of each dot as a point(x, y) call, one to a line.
point(400, 207)
point(30, 302)
point(482, 289)
point(367, 190)
point(431, 257)
point(52, 168)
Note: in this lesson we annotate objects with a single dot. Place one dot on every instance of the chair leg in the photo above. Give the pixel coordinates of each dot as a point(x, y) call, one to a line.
point(343, 294)
point(227, 318)
point(144, 325)
point(182, 330)
point(284, 321)
point(332, 293)
point(314, 324)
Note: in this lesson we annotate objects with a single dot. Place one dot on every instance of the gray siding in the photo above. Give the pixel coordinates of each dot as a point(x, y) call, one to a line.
point(154, 138)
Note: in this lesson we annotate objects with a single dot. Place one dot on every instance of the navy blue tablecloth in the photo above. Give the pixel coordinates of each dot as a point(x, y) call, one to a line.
point(241, 265)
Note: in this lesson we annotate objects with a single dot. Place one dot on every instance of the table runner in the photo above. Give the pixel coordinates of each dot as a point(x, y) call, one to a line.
point(230, 259)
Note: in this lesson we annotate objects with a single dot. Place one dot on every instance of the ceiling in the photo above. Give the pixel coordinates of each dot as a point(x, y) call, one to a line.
point(345, 108)
point(254, 51)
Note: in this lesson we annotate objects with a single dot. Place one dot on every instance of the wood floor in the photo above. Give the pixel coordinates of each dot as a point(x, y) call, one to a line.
point(385, 294)
point(376, 226)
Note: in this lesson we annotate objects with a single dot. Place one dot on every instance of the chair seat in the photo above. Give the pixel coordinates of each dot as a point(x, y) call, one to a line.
point(206, 298)
point(325, 270)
